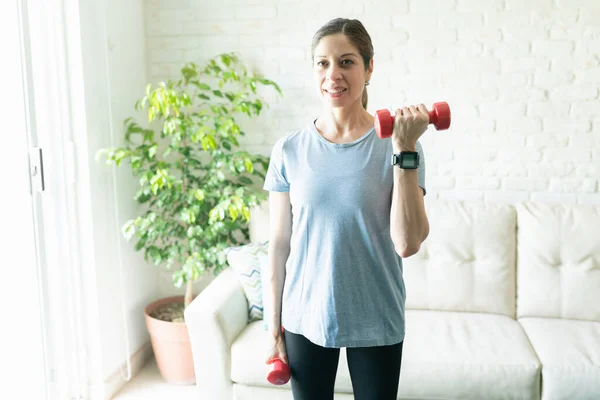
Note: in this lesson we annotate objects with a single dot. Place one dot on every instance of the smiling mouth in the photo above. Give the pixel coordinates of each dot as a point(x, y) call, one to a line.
point(336, 93)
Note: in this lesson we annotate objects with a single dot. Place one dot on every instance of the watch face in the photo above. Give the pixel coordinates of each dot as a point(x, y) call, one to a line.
point(409, 160)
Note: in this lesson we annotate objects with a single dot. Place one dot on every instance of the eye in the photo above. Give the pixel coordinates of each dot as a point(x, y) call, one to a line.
point(349, 62)
point(320, 63)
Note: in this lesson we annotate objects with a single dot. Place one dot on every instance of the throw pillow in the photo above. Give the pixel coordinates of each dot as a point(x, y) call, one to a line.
point(245, 262)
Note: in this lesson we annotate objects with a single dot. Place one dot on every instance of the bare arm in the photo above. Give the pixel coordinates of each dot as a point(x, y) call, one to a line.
point(409, 226)
point(408, 221)
point(280, 233)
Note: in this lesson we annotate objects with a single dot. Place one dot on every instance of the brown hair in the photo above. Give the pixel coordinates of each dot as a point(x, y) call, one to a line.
point(356, 33)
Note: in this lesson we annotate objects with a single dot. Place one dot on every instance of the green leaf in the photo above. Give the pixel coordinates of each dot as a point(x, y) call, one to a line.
point(271, 83)
point(249, 165)
point(179, 278)
point(227, 59)
point(233, 212)
point(211, 141)
point(152, 150)
point(246, 213)
point(129, 229)
point(140, 245)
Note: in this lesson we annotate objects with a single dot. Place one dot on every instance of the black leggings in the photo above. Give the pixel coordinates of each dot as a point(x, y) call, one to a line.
point(374, 371)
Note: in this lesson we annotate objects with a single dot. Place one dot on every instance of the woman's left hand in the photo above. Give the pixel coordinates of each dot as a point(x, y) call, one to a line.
point(409, 125)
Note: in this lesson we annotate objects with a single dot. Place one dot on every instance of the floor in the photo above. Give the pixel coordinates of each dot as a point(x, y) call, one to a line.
point(149, 385)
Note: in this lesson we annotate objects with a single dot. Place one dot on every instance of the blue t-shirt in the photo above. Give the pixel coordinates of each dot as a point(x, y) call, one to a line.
point(344, 285)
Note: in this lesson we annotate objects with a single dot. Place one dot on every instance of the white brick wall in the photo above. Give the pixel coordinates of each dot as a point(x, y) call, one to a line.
point(522, 80)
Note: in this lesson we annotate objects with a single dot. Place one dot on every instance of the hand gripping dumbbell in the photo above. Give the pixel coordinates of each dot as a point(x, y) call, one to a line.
point(278, 372)
point(439, 117)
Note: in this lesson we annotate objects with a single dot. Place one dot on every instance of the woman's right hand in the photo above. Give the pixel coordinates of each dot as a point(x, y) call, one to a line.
point(277, 349)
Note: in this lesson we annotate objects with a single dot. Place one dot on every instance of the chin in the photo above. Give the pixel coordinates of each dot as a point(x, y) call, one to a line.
point(334, 103)
point(338, 104)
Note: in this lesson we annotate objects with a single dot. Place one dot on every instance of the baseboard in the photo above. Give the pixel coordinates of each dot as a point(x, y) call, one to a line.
point(115, 382)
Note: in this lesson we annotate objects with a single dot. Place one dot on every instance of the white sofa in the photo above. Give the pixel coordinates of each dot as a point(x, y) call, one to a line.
point(503, 302)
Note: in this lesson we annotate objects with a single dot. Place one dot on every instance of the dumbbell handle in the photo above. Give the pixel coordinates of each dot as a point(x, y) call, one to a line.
point(439, 116)
point(433, 117)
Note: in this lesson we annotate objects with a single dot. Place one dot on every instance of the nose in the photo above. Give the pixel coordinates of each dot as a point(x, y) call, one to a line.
point(334, 73)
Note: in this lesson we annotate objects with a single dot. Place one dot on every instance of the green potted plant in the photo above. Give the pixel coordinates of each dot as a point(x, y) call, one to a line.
point(195, 189)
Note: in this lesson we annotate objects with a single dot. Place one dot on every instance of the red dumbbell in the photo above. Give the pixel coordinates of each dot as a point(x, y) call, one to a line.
point(439, 117)
point(278, 372)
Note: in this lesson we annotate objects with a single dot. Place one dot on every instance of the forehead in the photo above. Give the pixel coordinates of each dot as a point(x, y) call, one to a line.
point(334, 46)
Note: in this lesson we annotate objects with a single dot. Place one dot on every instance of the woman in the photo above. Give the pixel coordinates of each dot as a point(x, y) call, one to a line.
point(341, 219)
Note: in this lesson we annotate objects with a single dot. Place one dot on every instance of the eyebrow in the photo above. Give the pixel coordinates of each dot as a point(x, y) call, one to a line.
point(343, 55)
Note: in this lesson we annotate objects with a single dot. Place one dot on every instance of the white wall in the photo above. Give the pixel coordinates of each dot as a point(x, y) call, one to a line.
point(521, 79)
point(127, 58)
point(114, 58)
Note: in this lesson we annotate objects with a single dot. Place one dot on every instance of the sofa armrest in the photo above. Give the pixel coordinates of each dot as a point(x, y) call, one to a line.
point(214, 319)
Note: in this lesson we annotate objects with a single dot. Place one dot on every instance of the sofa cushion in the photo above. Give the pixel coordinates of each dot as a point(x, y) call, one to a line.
point(558, 261)
point(569, 351)
point(248, 354)
point(245, 261)
point(455, 355)
point(467, 263)
point(446, 355)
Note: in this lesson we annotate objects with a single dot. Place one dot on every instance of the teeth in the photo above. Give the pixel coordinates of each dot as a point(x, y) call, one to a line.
point(339, 91)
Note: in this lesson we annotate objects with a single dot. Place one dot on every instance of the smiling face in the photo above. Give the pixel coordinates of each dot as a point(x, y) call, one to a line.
point(339, 71)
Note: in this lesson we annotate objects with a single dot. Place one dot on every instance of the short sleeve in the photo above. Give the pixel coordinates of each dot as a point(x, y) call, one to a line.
point(421, 168)
point(276, 178)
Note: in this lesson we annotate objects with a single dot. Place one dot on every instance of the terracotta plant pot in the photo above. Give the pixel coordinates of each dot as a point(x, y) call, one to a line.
point(171, 345)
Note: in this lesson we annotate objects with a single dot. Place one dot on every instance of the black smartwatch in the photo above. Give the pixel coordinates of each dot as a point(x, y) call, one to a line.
point(406, 159)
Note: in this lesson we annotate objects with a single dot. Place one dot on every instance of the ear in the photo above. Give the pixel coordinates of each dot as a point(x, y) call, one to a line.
point(370, 70)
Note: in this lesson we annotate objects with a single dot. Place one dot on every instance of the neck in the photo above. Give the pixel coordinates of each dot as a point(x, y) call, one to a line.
point(345, 121)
